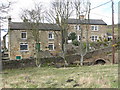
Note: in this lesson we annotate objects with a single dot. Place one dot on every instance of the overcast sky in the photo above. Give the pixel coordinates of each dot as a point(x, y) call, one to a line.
point(103, 12)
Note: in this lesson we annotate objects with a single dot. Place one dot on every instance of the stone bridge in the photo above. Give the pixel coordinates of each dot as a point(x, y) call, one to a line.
point(100, 56)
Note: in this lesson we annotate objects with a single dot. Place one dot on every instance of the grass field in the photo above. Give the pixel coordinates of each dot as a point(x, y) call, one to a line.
point(98, 76)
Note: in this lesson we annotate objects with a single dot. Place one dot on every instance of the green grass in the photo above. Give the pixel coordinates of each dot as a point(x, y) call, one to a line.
point(98, 76)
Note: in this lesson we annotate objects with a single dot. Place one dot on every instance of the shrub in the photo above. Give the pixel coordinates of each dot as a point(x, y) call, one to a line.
point(105, 40)
point(76, 43)
point(72, 36)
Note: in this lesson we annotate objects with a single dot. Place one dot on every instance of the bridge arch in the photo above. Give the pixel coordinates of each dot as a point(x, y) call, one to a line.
point(100, 61)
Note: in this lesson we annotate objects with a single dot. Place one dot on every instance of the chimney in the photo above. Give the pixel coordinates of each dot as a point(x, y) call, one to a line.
point(81, 17)
point(9, 19)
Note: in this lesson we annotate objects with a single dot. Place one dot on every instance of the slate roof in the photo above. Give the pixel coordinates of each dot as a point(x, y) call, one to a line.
point(92, 21)
point(26, 26)
point(47, 26)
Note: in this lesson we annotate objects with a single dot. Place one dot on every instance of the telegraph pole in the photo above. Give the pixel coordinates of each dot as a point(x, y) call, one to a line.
point(87, 45)
point(113, 41)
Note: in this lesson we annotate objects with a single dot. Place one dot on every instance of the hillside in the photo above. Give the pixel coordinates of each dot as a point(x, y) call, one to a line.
point(98, 76)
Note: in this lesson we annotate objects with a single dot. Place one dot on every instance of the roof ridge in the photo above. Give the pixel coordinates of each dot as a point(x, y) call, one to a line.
point(84, 19)
point(39, 23)
point(43, 26)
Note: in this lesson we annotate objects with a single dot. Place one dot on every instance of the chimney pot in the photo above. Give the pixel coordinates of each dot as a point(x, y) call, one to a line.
point(82, 17)
point(9, 19)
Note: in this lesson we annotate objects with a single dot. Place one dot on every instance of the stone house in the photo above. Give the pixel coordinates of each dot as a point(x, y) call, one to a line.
point(22, 43)
point(96, 28)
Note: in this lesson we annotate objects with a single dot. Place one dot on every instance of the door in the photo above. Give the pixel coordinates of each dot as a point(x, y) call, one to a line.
point(38, 46)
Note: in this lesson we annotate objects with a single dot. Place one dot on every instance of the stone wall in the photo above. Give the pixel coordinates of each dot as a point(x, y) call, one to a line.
point(89, 58)
point(11, 64)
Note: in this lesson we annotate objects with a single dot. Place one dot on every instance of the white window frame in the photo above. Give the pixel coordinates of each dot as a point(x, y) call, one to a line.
point(24, 43)
point(95, 39)
point(77, 27)
point(25, 33)
point(94, 27)
point(78, 37)
point(110, 37)
point(52, 35)
point(53, 46)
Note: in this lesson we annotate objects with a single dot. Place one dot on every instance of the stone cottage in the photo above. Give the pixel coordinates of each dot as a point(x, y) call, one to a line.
point(96, 28)
point(22, 43)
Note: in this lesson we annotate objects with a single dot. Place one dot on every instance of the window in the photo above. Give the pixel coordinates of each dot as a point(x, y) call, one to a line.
point(51, 35)
point(79, 37)
point(77, 27)
point(109, 38)
point(51, 46)
point(94, 38)
point(23, 46)
point(24, 35)
point(94, 28)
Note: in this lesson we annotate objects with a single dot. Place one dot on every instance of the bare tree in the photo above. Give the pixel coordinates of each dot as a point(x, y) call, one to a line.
point(4, 8)
point(59, 13)
point(82, 8)
point(33, 18)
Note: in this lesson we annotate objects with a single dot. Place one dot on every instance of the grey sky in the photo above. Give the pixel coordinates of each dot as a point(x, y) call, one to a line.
point(103, 12)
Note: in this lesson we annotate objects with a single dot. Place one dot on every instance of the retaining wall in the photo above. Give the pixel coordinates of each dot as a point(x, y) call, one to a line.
point(55, 60)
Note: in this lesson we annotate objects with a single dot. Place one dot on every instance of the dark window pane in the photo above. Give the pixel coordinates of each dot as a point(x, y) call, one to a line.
point(92, 27)
point(96, 28)
point(95, 37)
point(23, 35)
point(23, 47)
point(79, 37)
point(50, 35)
point(79, 27)
point(50, 47)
